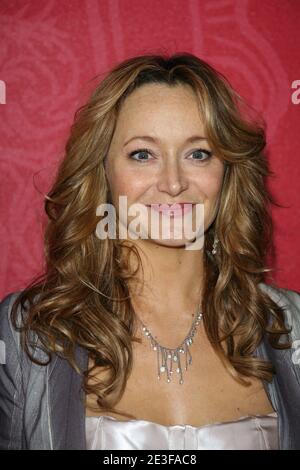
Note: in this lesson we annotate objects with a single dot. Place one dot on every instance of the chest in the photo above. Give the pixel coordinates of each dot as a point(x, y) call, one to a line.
point(208, 394)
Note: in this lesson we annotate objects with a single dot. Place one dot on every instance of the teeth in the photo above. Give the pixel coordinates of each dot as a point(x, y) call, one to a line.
point(169, 206)
point(176, 207)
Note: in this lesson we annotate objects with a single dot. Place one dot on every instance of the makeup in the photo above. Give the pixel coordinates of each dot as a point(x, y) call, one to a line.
point(172, 210)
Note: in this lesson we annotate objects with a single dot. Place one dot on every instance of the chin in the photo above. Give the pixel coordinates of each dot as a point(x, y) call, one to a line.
point(171, 243)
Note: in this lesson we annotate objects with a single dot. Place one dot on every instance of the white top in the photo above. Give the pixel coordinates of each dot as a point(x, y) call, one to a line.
point(256, 432)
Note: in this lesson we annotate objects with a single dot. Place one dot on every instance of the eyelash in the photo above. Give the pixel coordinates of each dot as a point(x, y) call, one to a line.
point(134, 152)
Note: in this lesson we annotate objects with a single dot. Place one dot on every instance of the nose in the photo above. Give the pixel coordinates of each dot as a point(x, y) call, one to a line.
point(172, 179)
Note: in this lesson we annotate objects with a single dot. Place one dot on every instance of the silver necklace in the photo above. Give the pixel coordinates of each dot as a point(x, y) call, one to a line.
point(163, 354)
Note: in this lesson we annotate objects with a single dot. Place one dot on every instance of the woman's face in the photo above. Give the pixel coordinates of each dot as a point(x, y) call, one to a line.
point(174, 169)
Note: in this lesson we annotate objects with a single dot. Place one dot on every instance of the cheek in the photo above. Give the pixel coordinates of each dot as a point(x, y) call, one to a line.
point(124, 182)
point(210, 186)
point(213, 190)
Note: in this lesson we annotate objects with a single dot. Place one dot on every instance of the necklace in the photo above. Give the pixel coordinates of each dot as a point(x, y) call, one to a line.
point(163, 354)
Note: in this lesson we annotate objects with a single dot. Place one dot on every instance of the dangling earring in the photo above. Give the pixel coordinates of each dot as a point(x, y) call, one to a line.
point(216, 241)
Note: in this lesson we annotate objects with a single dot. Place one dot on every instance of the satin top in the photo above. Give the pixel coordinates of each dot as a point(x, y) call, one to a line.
point(256, 432)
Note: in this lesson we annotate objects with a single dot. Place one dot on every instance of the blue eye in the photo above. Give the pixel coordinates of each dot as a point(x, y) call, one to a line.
point(132, 154)
point(207, 154)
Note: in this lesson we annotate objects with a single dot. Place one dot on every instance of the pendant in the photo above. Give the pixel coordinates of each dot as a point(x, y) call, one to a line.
point(167, 358)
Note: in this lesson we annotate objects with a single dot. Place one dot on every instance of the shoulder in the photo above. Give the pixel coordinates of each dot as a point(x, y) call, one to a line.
point(7, 332)
point(289, 300)
point(10, 340)
point(281, 294)
point(10, 337)
point(11, 391)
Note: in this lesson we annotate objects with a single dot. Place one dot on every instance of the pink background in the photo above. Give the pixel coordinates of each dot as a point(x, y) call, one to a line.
point(50, 49)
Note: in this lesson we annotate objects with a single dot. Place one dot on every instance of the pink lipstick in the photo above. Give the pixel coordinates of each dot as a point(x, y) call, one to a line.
point(172, 210)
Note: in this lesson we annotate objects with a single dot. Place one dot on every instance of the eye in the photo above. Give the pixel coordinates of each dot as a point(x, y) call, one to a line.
point(139, 151)
point(206, 154)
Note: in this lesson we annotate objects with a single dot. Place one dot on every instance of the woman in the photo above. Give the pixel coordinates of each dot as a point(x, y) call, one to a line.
point(145, 341)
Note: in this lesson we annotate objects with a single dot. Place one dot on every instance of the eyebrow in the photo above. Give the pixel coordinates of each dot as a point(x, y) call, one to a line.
point(193, 138)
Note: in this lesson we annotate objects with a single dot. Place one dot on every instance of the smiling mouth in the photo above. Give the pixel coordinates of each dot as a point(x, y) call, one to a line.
point(175, 209)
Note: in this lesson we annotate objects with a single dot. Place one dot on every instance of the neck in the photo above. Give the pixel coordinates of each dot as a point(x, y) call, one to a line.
point(171, 286)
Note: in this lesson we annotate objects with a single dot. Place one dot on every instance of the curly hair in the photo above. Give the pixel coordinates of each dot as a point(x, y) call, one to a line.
point(82, 298)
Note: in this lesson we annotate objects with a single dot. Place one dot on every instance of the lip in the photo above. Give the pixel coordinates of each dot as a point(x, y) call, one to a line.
point(173, 210)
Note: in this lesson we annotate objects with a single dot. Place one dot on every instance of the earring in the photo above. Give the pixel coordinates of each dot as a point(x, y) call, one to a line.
point(216, 241)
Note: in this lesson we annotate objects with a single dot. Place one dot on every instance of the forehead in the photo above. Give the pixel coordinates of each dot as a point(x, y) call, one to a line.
point(157, 106)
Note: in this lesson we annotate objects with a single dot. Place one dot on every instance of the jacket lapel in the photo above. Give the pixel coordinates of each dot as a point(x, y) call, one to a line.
point(67, 403)
point(277, 391)
point(284, 389)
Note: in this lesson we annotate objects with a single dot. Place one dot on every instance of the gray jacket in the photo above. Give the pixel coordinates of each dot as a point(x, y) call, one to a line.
point(44, 407)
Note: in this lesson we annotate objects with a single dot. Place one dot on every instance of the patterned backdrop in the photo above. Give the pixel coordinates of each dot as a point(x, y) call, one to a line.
point(52, 49)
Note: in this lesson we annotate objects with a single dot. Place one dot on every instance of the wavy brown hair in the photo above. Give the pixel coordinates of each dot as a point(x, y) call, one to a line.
point(83, 299)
